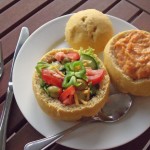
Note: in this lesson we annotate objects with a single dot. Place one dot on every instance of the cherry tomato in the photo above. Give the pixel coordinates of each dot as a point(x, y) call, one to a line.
point(95, 76)
point(50, 78)
point(67, 96)
point(73, 56)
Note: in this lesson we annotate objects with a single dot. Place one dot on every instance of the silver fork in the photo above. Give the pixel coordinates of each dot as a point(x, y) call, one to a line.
point(24, 34)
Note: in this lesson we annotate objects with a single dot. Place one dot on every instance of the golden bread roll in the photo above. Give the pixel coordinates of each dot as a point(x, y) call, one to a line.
point(88, 28)
point(56, 109)
point(127, 59)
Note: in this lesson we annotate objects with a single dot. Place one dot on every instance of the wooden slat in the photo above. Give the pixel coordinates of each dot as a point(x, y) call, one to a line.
point(143, 4)
point(101, 5)
point(142, 22)
point(4, 4)
point(25, 135)
point(36, 19)
point(16, 119)
point(10, 40)
point(123, 10)
point(49, 12)
point(23, 8)
point(4, 79)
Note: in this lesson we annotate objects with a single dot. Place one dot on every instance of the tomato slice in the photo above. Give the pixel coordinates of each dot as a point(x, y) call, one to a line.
point(67, 96)
point(95, 76)
point(69, 100)
point(60, 56)
point(50, 78)
point(73, 56)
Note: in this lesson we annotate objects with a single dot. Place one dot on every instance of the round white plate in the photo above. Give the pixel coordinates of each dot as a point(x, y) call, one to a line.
point(92, 136)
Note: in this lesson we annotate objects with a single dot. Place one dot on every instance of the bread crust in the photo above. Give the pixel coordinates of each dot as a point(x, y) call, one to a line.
point(88, 28)
point(55, 109)
point(122, 81)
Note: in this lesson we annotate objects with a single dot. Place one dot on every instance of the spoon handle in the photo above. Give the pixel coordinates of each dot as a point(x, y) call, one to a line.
point(46, 142)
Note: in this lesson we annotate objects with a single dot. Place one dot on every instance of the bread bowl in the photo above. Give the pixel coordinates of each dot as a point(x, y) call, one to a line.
point(127, 59)
point(58, 109)
point(88, 28)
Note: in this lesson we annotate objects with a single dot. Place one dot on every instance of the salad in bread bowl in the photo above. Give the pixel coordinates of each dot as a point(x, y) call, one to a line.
point(127, 59)
point(70, 84)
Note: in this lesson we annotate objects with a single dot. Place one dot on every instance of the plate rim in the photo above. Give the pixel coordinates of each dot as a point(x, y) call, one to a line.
point(37, 30)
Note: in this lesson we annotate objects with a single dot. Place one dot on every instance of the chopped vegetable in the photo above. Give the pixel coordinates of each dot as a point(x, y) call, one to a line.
point(40, 66)
point(82, 84)
point(60, 56)
point(71, 77)
point(95, 76)
point(67, 96)
point(89, 61)
point(76, 99)
point(90, 52)
point(74, 70)
point(54, 91)
point(50, 78)
point(73, 56)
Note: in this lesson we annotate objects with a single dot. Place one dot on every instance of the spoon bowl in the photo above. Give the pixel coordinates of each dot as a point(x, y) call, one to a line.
point(115, 109)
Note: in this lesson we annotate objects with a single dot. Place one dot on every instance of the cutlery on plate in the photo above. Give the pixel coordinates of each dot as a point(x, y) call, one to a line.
point(24, 34)
point(1, 62)
point(116, 107)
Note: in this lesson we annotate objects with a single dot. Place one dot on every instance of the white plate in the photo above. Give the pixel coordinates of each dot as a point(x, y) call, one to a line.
point(93, 136)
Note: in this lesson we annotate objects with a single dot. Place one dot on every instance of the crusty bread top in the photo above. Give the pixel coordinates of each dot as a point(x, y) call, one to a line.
point(88, 28)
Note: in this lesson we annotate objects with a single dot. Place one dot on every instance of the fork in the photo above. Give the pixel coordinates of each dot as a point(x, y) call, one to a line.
point(24, 34)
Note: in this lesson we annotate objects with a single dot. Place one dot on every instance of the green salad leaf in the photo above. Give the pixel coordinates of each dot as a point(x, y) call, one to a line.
point(90, 52)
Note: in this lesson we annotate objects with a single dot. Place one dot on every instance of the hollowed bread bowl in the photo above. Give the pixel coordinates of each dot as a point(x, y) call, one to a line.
point(55, 109)
point(130, 83)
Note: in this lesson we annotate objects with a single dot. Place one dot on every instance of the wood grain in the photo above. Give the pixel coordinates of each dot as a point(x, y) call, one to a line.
point(142, 21)
point(5, 4)
point(10, 18)
point(101, 5)
point(143, 4)
point(33, 14)
point(123, 10)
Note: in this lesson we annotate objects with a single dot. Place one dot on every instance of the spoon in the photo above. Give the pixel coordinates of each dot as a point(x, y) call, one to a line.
point(116, 107)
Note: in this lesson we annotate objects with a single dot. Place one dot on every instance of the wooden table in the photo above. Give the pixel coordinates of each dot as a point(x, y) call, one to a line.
point(32, 14)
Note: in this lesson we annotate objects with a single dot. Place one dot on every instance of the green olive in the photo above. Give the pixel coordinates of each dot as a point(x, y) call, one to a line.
point(83, 85)
point(53, 91)
point(84, 94)
point(65, 60)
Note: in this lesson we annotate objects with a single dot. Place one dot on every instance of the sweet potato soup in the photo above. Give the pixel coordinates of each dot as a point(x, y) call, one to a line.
point(132, 52)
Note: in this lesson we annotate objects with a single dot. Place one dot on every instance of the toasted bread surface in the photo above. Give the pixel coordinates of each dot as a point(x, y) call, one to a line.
point(123, 82)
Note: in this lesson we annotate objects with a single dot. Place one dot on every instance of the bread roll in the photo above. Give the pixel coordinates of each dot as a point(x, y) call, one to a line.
point(127, 59)
point(88, 28)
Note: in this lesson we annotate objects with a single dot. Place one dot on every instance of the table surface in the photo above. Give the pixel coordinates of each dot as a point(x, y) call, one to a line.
point(32, 14)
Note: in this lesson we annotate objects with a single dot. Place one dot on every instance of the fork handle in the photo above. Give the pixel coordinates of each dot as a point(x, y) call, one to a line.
point(4, 117)
point(46, 142)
